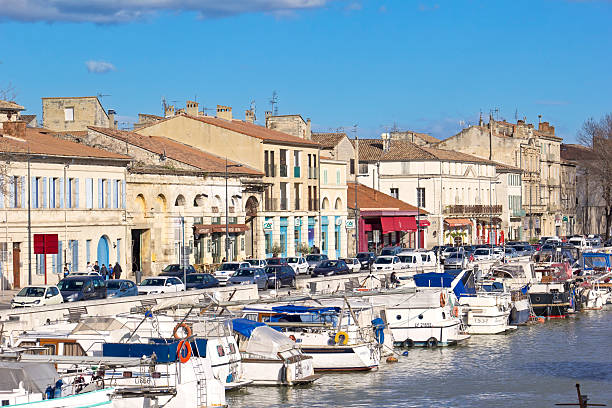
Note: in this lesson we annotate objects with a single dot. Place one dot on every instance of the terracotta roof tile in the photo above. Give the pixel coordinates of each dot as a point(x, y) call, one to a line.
point(373, 199)
point(178, 151)
point(506, 168)
point(10, 105)
point(328, 140)
point(41, 142)
point(575, 152)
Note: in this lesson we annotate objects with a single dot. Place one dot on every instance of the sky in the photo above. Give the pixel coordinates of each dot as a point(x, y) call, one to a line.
point(426, 66)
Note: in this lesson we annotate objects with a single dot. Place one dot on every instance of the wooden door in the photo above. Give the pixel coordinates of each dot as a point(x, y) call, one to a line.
point(16, 268)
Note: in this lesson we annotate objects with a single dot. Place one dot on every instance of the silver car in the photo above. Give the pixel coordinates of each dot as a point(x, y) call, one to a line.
point(250, 276)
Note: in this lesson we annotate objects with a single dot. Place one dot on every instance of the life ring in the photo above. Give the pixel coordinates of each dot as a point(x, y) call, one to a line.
point(442, 300)
point(292, 337)
point(431, 342)
point(184, 326)
point(456, 311)
point(341, 338)
point(183, 359)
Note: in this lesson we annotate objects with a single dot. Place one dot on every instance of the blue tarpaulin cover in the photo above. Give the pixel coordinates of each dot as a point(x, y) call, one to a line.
point(304, 309)
point(245, 326)
point(433, 280)
point(165, 352)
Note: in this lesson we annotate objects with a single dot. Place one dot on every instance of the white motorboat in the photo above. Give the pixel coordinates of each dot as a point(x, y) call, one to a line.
point(486, 312)
point(271, 358)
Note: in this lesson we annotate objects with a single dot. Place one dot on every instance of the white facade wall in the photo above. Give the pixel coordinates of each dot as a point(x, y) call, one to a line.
point(334, 205)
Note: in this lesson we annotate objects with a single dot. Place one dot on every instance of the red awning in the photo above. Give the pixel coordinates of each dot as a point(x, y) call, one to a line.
point(388, 224)
point(208, 228)
point(457, 222)
point(424, 223)
point(405, 224)
point(367, 227)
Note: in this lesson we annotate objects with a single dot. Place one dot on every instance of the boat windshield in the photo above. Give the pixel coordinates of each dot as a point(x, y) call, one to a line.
point(31, 291)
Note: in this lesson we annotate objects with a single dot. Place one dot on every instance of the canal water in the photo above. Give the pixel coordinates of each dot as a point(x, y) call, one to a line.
point(535, 366)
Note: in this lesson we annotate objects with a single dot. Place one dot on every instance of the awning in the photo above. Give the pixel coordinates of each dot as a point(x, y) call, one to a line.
point(424, 223)
point(202, 229)
point(405, 224)
point(388, 224)
point(457, 222)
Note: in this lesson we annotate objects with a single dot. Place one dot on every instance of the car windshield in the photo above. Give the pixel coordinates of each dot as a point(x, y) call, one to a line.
point(293, 260)
point(253, 262)
point(31, 291)
point(195, 278)
point(153, 282)
point(229, 267)
point(113, 285)
point(273, 269)
point(363, 255)
point(70, 284)
point(276, 261)
point(383, 260)
point(244, 273)
point(510, 250)
point(171, 268)
point(314, 258)
point(329, 264)
point(387, 251)
point(481, 252)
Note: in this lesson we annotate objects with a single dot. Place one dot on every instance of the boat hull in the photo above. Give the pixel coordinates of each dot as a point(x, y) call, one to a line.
point(520, 312)
point(552, 305)
point(358, 357)
point(266, 371)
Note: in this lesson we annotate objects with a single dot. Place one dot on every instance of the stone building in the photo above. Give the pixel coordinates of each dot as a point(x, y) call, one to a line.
point(62, 114)
point(536, 152)
point(9, 111)
point(419, 139)
point(587, 201)
point(75, 192)
point(293, 125)
point(338, 146)
point(510, 195)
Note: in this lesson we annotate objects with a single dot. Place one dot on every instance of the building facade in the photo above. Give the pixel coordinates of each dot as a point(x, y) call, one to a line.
point(63, 114)
point(334, 213)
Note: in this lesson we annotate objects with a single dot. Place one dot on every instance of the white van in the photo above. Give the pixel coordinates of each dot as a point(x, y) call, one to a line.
point(580, 243)
point(413, 259)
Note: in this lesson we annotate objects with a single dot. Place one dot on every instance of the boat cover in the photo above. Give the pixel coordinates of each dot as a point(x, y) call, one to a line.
point(245, 326)
point(165, 350)
point(294, 309)
point(36, 377)
point(267, 342)
point(462, 284)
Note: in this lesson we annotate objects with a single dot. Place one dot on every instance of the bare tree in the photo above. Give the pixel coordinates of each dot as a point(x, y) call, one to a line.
point(596, 135)
point(8, 92)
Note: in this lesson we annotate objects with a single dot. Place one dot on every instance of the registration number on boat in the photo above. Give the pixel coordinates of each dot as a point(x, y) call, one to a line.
point(422, 324)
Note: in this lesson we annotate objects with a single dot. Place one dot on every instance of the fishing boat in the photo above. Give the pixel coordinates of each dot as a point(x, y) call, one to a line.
point(550, 297)
point(271, 358)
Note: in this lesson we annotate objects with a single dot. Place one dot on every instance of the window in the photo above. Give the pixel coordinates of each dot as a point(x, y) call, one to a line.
point(363, 168)
point(352, 166)
point(421, 197)
point(115, 193)
point(72, 193)
point(119, 250)
point(324, 176)
point(74, 250)
point(69, 114)
point(89, 191)
point(395, 193)
point(338, 177)
point(88, 249)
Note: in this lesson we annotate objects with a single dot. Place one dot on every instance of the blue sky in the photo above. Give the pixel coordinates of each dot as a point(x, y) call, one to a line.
point(420, 65)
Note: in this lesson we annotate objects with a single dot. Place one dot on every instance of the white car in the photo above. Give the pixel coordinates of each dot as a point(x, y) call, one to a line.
point(227, 270)
point(428, 258)
point(37, 295)
point(483, 254)
point(410, 259)
point(299, 264)
point(92, 273)
point(257, 263)
point(353, 264)
point(160, 284)
point(387, 263)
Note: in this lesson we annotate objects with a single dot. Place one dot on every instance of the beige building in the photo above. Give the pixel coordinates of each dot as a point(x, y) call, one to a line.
point(536, 152)
point(62, 114)
point(333, 212)
point(288, 213)
point(74, 192)
point(338, 146)
point(9, 111)
point(509, 194)
point(419, 139)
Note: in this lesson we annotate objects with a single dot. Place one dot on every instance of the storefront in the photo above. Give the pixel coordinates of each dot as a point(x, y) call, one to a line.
point(214, 234)
point(457, 231)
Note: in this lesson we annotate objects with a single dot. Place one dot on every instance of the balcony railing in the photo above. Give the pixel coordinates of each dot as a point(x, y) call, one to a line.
point(518, 213)
point(312, 173)
point(297, 172)
point(473, 209)
point(283, 170)
point(271, 204)
point(283, 204)
point(270, 170)
point(313, 205)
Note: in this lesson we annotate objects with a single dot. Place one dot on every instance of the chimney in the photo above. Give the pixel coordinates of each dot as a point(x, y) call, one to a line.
point(249, 116)
point(111, 119)
point(169, 111)
point(192, 108)
point(386, 141)
point(545, 127)
point(15, 129)
point(224, 112)
point(308, 129)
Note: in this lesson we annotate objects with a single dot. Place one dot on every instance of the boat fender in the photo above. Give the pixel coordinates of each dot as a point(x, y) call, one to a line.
point(292, 337)
point(392, 359)
point(405, 354)
point(456, 311)
point(341, 338)
point(431, 342)
point(179, 351)
point(186, 327)
point(442, 300)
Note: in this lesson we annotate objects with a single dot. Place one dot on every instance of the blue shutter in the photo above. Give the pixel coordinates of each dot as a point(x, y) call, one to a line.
point(54, 260)
point(89, 193)
point(44, 192)
point(23, 192)
point(76, 194)
point(75, 255)
point(34, 201)
point(59, 269)
point(119, 250)
point(11, 195)
point(123, 194)
point(115, 193)
point(51, 192)
point(61, 193)
point(100, 192)
point(109, 196)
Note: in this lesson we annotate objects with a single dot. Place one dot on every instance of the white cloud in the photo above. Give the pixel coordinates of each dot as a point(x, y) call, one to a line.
point(122, 11)
point(99, 67)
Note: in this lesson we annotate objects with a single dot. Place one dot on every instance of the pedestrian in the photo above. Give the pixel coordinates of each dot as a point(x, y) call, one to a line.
point(96, 267)
point(89, 267)
point(117, 270)
point(104, 272)
point(224, 260)
point(66, 271)
point(110, 272)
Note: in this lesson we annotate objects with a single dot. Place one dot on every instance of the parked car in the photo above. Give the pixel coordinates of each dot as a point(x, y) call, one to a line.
point(510, 252)
point(391, 250)
point(523, 250)
point(448, 251)
point(160, 284)
point(299, 264)
point(120, 288)
point(175, 270)
point(353, 264)
point(227, 270)
point(37, 295)
point(314, 260)
point(331, 267)
point(250, 276)
point(279, 275)
point(276, 261)
point(75, 288)
point(456, 261)
point(387, 263)
point(201, 281)
point(257, 263)
point(498, 252)
point(410, 259)
point(366, 259)
point(428, 258)
point(92, 273)
point(483, 254)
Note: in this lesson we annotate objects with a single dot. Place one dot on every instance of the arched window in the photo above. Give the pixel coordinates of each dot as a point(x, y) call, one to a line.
point(180, 201)
point(338, 204)
point(325, 204)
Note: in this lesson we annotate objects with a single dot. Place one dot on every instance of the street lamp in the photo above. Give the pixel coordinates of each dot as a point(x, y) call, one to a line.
point(227, 166)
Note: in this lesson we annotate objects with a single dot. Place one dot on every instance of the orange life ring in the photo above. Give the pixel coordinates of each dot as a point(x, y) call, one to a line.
point(183, 359)
point(184, 326)
point(456, 311)
point(292, 337)
point(442, 300)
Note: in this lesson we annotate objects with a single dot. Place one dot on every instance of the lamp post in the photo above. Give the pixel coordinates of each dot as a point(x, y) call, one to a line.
point(227, 166)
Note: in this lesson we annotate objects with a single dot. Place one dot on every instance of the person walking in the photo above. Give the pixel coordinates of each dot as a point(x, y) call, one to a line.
point(117, 270)
point(104, 272)
point(66, 271)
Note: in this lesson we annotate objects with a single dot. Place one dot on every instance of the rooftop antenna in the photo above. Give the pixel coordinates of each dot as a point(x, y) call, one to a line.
point(495, 112)
point(516, 115)
point(253, 106)
point(274, 103)
point(101, 95)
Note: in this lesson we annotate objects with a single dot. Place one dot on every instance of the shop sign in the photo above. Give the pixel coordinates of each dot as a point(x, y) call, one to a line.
point(297, 222)
point(350, 224)
point(268, 225)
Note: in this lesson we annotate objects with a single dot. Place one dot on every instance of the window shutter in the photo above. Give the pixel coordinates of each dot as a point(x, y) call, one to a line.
point(75, 255)
point(34, 198)
point(54, 260)
point(11, 194)
point(59, 269)
point(115, 193)
point(100, 192)
point(89, 192)
point(23, 192)
point(61, 193)
point(123, 194)
point(76, 193)
point(109, 196)
point(44, 193)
